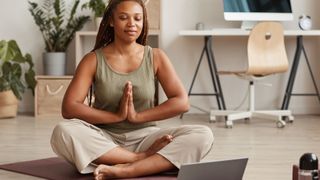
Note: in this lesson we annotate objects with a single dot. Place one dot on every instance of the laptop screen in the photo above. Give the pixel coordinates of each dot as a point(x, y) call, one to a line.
point(232, 169)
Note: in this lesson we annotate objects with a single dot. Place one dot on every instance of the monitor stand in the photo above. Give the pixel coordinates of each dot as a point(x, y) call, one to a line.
point(248, 25)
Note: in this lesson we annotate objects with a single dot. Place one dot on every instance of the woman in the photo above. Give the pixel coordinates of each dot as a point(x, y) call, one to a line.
point(119, 133)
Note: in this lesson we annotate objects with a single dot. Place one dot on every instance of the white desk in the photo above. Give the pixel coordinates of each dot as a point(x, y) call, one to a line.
point(208, 34)
point(241, 32)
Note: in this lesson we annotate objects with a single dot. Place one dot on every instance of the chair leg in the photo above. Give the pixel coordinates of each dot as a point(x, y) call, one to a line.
point(230, 116)
point(251, 96)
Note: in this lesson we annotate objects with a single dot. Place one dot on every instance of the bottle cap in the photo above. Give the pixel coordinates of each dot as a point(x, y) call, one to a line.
point(308, 161)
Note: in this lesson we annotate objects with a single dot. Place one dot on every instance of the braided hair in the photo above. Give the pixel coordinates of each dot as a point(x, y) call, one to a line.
point(105, 34)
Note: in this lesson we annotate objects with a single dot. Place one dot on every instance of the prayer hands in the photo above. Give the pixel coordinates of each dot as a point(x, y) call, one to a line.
point(127, 110)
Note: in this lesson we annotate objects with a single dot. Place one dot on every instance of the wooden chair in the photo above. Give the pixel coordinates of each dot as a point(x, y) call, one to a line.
point(266, 56)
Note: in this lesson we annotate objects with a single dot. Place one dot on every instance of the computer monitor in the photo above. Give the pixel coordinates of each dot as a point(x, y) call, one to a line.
point(252, 11)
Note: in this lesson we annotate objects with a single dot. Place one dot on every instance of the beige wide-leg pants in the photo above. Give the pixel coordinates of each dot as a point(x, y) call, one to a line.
point(80, 143)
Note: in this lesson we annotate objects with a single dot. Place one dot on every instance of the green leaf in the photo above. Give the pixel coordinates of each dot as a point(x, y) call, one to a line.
point(13, 67)
point(30, 80)
point(4, 84)
point(28, 59)
point(9, 50)
point(17, 87)
point(6, 68)
point(97, 7)
point(16, 70)
point(51, 17)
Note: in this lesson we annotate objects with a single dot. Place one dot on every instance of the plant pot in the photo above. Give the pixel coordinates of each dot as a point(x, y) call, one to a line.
point(54, 63)
point(8, 104)
point(98, 21)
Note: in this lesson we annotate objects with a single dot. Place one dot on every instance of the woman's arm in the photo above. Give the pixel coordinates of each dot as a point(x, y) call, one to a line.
point(177, 102)
point(73, 106)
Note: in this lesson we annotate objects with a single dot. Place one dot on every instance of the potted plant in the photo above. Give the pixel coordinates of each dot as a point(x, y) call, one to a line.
point(58, 26)
point(97, 7)
point(13, 67)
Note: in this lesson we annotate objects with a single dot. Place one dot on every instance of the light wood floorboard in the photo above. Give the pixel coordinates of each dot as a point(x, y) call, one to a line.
point(271, 151)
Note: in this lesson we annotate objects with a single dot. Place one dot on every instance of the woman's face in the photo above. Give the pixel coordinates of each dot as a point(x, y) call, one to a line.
point(127, 21)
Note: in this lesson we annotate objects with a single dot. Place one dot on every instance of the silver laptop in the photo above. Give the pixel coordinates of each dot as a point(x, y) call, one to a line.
point(232, 169)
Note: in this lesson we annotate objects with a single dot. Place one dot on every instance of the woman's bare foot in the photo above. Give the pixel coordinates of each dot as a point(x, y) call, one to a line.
point(121, 170)
point(155, 147)
point(136, 169)
point(104, 172)
point(159, 144)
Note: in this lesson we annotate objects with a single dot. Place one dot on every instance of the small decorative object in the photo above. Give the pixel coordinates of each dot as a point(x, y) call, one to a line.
point(58, 26)
point(97, 7)
point(308, 167)
point(305, 22)
point(13, 66)
point(200, 26)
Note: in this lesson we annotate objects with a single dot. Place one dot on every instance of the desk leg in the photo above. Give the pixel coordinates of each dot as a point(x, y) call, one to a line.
point(300, 48)
point(312, 76)
point(293, 74)
point(195, 74)
point(194, 78)
point(214, 73)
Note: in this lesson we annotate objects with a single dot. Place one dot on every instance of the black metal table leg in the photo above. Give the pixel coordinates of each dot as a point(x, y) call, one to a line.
point(312, 76)
point(211, 68)
point(299, 48)
point(213, 73)
point(293, 73)
point(196, 72)
point(194, 76)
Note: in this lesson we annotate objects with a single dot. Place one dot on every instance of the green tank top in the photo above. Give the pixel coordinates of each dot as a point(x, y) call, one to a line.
point(109, 85)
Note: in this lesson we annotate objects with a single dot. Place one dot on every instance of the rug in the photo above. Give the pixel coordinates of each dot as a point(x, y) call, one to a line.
point(56, 169)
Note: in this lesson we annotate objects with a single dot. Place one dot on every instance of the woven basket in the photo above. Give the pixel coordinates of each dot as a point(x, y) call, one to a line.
point(8, 104)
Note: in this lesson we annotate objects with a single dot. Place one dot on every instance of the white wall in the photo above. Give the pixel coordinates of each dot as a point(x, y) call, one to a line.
point(17, 23)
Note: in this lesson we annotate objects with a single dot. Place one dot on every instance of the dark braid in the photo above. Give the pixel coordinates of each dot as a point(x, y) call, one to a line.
point(105, 34)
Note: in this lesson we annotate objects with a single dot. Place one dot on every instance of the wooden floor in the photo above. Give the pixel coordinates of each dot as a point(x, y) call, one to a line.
point(271, 151)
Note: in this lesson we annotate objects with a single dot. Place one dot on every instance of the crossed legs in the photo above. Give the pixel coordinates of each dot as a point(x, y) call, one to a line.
point(78, 141)
point(130, 164)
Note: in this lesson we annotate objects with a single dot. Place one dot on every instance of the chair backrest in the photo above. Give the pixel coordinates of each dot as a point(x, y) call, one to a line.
point(266, 49)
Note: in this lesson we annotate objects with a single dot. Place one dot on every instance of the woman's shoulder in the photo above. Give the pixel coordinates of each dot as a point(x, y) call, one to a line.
point(91, 54)
point(89, 57)
point(158, 54)
point(159, 58)
point(106, 49)
point(88, 60)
